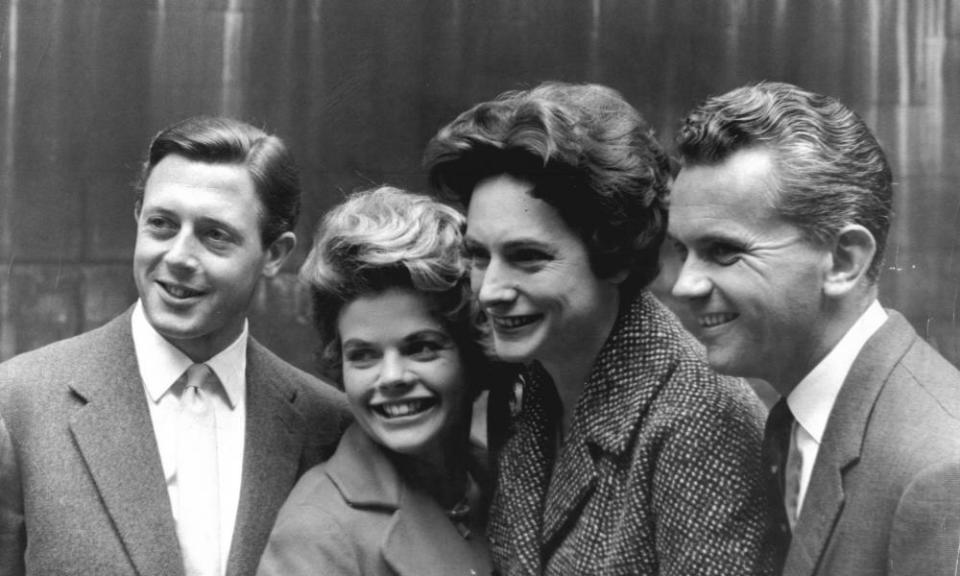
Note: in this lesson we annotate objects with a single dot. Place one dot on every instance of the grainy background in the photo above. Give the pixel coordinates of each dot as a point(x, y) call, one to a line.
point(357, 87)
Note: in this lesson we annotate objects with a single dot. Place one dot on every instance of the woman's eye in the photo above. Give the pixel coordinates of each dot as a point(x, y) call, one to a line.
point(529, 256)
point(477, 257)
point(424, 350)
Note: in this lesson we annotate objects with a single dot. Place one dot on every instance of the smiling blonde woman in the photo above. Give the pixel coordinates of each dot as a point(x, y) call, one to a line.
point(403, 494)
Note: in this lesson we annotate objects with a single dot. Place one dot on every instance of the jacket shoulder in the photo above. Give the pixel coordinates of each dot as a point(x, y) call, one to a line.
point(47, 368)
point(693, 386)
point(310, 391)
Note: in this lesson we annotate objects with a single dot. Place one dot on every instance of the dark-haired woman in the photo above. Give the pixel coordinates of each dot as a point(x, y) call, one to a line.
point(628, 455)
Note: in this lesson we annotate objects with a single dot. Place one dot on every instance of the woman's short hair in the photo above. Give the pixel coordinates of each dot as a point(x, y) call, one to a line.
point(830, 169)
point(388, 238)
point(586, 151)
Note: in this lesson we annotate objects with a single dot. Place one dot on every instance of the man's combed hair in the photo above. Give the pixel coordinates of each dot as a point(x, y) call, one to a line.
point(218, 140)
point(587, 153)
point(381, 239)
point(830, 168)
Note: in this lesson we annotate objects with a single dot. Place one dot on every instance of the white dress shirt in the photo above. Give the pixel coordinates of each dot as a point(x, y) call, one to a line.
point(812, 400)
point(161, 365)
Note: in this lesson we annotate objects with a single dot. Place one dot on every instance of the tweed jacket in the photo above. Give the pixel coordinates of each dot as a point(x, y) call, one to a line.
point(659, 474)
point(82, 490)
point(355, 515)
point(884, 494)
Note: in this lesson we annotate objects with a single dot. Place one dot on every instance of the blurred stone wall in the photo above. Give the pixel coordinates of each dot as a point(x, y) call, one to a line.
point(357, 87)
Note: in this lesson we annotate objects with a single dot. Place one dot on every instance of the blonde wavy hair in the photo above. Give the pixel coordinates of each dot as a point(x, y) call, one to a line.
point(387, 238)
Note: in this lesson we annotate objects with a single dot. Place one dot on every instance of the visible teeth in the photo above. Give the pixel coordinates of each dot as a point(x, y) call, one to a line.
point(709, 320)
point(398, 409)
point(513, 321)
point(180, 292)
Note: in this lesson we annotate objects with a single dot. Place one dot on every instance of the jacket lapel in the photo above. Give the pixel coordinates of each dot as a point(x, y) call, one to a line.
point(366, 479)
point(572, 484)
point(421, 520)
point(114, 434)
point(626, 375)
point(524, 468)
point(271, 459)
point(842, 443)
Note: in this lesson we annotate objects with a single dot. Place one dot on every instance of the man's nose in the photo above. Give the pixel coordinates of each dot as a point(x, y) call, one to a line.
point(182, 251)
point(692, 281)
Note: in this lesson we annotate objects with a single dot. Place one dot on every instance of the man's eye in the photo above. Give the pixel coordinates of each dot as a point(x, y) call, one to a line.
point(218, 235)
point(360, 356)
point(158, 222)
point(680, 249)
point(725, 254)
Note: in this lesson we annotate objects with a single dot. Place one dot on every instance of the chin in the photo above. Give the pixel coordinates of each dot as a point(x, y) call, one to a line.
point(514, 352)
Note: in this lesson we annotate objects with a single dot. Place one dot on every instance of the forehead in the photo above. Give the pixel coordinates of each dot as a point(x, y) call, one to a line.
point(393, 313)
point(732, 196)
point(178, 180)
point(502, 208)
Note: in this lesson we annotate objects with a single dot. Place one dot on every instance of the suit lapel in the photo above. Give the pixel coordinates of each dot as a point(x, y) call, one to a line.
point(271, 459)
point(842, 443)
point(114, 434)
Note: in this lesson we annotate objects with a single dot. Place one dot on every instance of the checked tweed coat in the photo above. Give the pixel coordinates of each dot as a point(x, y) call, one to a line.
point(660, 473)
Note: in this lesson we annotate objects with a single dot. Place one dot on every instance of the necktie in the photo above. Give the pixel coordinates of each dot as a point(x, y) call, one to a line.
point(198, 518)
point(776, 445)
point(791, 481)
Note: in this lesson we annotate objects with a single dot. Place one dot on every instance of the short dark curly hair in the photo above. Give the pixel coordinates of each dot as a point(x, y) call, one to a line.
point(222, 140)
point(587, 152)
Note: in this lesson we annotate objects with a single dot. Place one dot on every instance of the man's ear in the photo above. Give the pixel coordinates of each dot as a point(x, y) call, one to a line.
point(851, 256)
point(278, 252)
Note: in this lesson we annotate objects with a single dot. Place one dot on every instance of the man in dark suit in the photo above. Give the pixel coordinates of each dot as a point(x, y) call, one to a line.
point(164, 442)
point(780, 212)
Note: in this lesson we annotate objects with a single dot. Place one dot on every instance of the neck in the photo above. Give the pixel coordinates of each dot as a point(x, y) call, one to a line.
point(571, 369)
point(442, 475)
point(839, 318)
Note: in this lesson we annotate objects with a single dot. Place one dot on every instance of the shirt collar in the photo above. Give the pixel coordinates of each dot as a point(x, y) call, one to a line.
point(161, 363)
point(813, 398)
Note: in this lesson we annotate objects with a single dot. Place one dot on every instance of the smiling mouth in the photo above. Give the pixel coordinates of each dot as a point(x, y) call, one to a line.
point(404, 408)
point(179, 292)
point(712, 320)
point(513, 322)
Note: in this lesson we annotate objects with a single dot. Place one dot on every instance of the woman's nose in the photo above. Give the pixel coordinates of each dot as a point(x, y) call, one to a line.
point(493, 285)
point(393, 371)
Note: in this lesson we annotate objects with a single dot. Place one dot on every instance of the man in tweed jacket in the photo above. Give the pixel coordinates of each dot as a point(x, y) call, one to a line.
point(89, 427)
point(781, 211)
